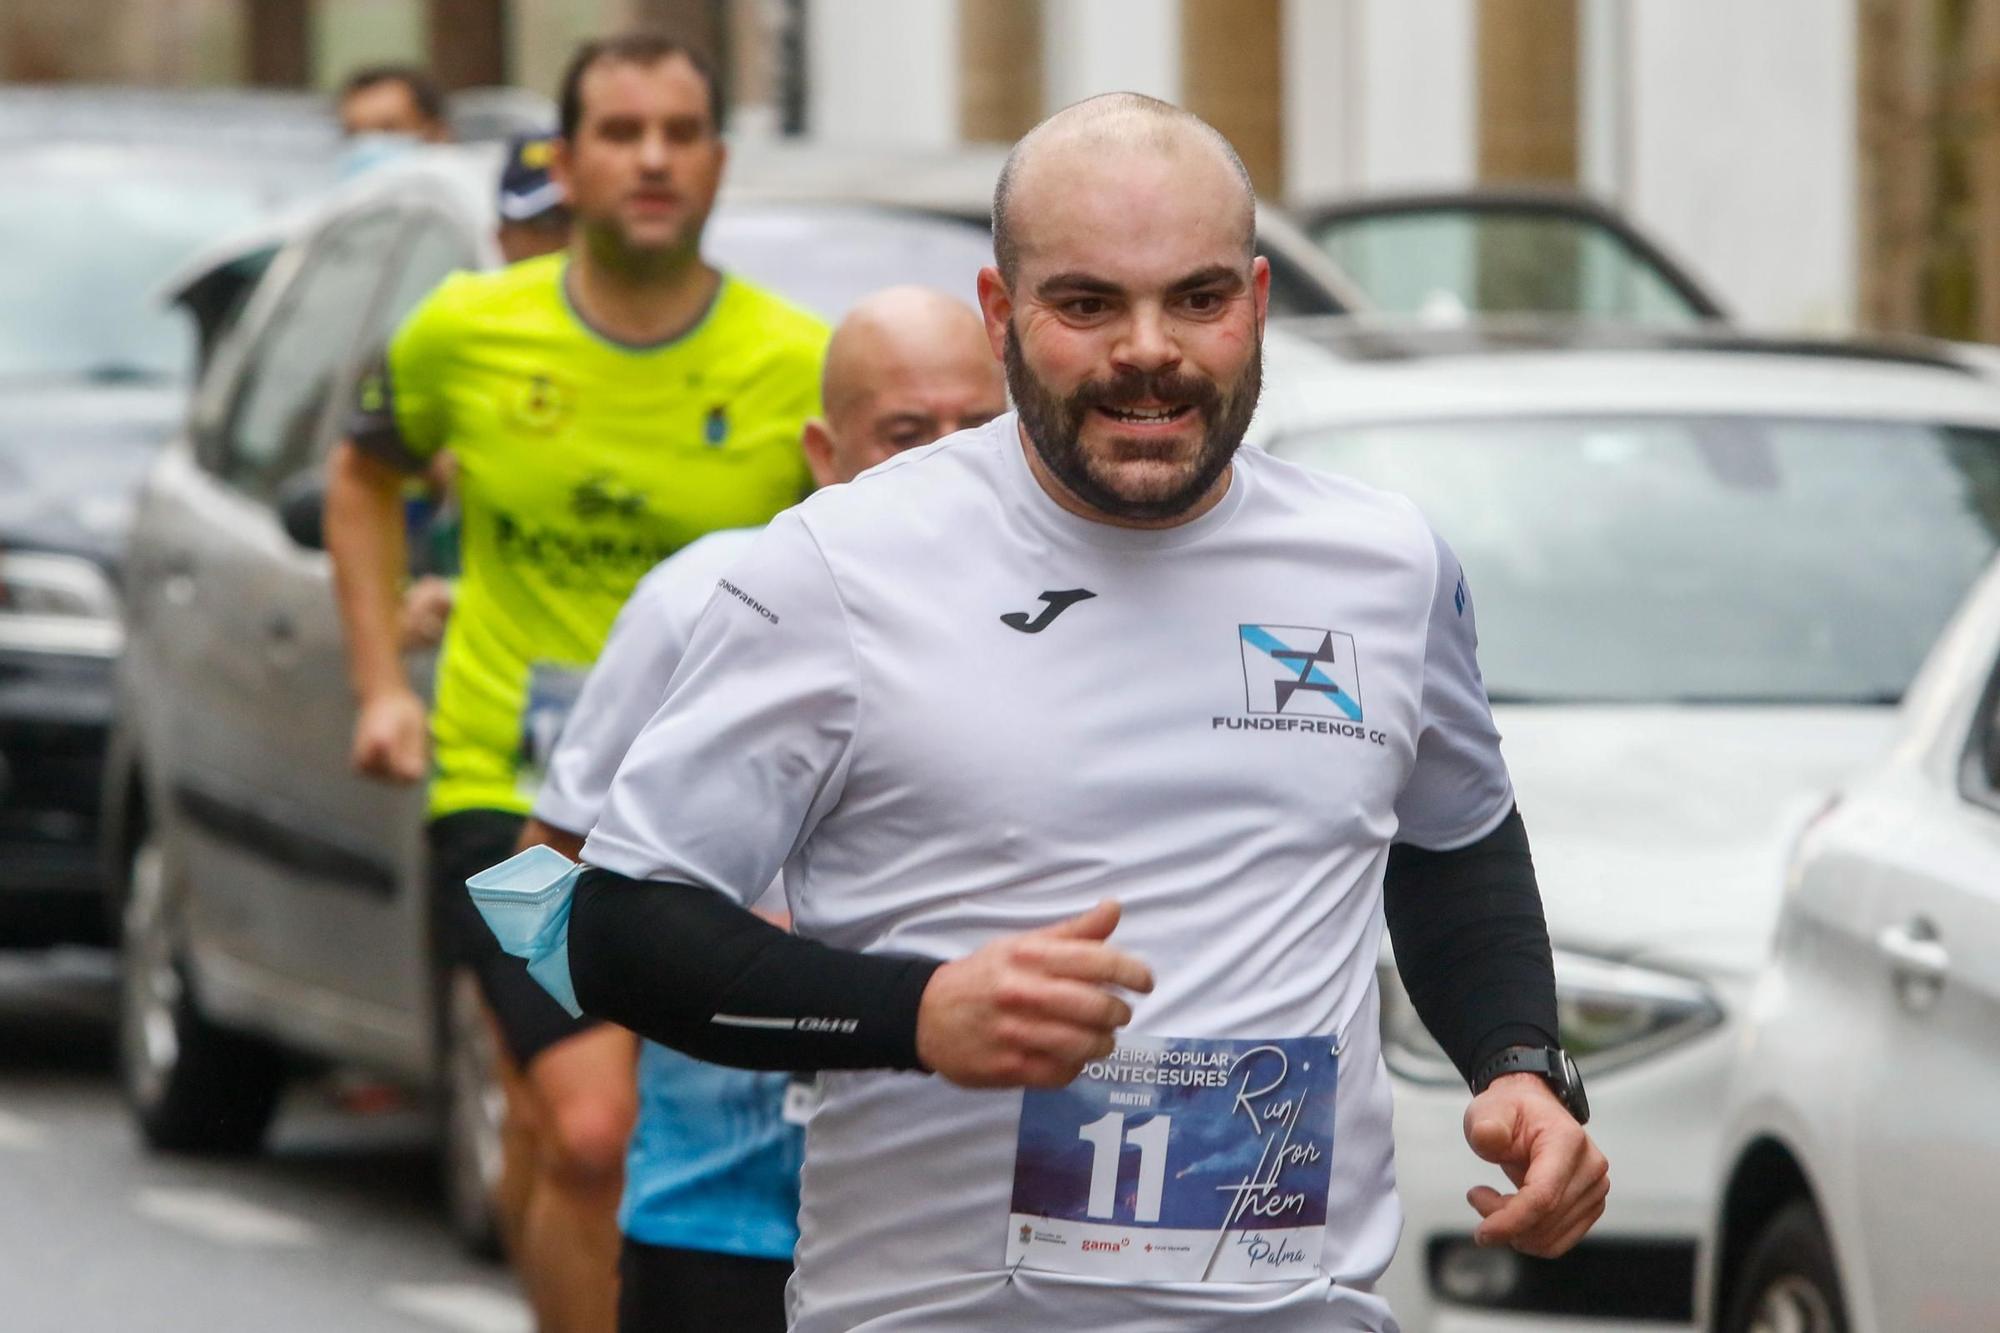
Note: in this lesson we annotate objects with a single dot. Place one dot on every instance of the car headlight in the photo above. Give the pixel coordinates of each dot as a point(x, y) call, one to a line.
point(1607, 1014)
point(57, 604)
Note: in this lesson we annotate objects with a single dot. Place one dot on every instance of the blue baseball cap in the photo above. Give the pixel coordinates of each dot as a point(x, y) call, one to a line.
point(526, 189)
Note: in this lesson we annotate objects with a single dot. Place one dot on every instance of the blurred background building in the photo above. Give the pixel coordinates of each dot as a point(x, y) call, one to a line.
point(1827, 164)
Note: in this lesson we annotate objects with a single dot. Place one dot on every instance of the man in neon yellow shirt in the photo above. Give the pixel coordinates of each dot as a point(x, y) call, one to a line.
point(606, 407)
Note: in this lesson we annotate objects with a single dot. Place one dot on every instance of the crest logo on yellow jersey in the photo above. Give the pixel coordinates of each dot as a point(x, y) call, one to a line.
point(542, 404)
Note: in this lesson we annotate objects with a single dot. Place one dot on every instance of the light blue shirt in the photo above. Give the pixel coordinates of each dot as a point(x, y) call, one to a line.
point(713, 1165)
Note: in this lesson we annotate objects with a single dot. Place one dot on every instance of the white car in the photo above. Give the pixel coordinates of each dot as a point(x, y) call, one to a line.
point(1707, 568)
point(1861, 1151)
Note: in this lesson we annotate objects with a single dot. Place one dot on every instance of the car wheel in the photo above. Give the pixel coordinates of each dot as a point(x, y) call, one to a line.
point(1788, 1283)
point(192, 1086)
point(474, 1112)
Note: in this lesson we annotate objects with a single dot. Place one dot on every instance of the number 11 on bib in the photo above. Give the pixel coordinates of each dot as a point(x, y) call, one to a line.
point(1179, 1160)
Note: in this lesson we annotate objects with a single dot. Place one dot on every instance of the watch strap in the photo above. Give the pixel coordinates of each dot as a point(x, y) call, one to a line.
point(1546, 1062)
point(1543, 1060)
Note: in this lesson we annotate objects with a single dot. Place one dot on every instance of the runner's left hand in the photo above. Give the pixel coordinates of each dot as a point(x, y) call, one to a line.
point(1562, 1179)
point(426, 606)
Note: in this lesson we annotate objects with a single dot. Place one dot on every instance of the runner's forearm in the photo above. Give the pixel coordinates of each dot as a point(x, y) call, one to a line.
point(366, 542)
point(689, 969)
point(537, 832)
point(1472, 945)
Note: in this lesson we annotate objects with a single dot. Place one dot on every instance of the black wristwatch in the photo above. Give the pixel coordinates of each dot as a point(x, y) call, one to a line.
point(1551, 1062)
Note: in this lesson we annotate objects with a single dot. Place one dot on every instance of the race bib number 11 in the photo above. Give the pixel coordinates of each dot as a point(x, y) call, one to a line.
point(1179, 1160)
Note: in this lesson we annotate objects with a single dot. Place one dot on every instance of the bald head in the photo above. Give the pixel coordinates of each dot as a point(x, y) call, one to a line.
point(1070, 150)
point(907, 366)
point(1127, 301)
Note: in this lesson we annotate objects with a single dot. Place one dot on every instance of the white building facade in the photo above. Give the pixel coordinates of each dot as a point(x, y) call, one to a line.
point(1725, 130)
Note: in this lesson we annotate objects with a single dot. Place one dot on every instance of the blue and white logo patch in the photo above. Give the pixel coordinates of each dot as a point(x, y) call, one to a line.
point(1300, 671)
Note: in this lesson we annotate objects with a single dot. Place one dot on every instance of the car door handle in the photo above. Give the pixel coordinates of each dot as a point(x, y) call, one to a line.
point(1916, 955)
point(281, 639)
point(175, 571)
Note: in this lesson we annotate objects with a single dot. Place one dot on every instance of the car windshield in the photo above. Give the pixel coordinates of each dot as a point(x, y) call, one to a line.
point(826, 257)
point(92, 231)
point(1443, 264)
point(1724, 559)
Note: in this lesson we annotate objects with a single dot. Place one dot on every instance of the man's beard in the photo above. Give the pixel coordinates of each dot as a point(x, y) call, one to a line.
point(614, 250)
point(1055, 427)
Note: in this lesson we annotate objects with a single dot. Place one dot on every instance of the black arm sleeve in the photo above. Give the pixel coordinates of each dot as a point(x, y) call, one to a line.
point(690, 969)
point(1471, 944)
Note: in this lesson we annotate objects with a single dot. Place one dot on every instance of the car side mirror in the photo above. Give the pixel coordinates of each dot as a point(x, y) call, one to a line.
point(302, 509)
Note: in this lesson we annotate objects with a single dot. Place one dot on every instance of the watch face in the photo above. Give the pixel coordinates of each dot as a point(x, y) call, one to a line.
point(1573, 1095)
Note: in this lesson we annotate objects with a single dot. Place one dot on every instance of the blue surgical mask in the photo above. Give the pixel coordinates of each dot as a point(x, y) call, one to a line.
point(363, 152)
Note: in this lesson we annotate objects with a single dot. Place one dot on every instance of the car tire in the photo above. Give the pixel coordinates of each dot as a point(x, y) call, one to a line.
point(1789, 1282)
point(192, 1087)
point(473, 1114)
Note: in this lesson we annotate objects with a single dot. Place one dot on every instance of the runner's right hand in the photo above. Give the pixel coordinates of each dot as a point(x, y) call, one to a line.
point(1030, 1010)
point(392, 738)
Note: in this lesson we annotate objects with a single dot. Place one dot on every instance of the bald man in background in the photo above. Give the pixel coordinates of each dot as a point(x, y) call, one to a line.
point(711, 1195)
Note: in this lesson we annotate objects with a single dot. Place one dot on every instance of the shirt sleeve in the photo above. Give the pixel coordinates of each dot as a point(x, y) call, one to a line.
point(399, 413)
point(1458, 791)
point(620, 696)
point(750, 747)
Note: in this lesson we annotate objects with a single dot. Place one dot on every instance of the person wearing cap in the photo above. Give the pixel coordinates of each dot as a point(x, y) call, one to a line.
point(534, 216)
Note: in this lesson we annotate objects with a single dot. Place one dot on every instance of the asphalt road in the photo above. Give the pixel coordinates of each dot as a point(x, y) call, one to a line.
point(336, 1227)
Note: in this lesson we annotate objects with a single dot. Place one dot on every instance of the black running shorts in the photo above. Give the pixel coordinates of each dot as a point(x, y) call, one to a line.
point(666, 1290)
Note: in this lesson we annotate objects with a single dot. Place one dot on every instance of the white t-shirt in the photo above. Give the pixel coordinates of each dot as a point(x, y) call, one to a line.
point(1225, 735)
point(630, 677)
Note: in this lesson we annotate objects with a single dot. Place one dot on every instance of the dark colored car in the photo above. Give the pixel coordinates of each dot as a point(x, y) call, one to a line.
point(95, 367)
